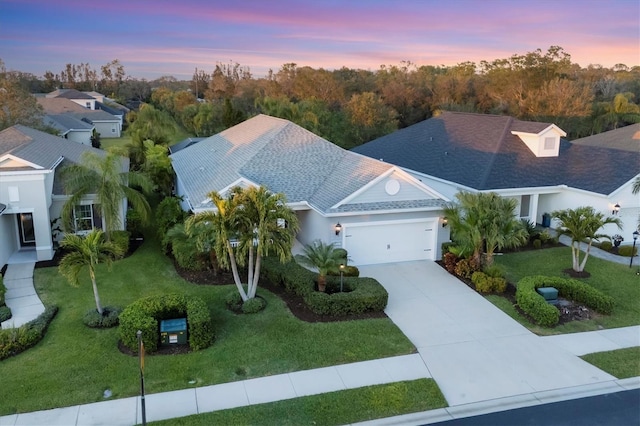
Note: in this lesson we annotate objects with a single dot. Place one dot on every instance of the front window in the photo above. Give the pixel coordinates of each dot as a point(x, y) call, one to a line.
point(86, 217)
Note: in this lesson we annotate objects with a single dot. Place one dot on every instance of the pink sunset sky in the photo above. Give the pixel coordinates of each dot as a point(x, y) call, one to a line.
point(152, 38)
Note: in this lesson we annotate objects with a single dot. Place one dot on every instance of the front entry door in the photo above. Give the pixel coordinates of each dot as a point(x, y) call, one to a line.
point(27, 232)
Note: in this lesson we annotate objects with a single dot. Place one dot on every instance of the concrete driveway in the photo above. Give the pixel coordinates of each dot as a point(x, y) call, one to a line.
point(473, 350)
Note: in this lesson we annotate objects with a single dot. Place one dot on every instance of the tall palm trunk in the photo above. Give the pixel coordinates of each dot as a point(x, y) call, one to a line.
point(234, 270)
point(322, 282)
point(95, 289)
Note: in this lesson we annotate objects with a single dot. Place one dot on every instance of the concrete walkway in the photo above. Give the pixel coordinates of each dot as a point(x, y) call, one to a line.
point(597, 252)
point(21, 296)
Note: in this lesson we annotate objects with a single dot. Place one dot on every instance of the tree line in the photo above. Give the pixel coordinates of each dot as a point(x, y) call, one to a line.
point(352, 106)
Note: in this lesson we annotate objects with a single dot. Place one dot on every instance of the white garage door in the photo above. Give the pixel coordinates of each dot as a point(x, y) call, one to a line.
point(386, 242)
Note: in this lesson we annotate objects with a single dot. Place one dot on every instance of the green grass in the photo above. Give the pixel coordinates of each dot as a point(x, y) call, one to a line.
point(621, 363)
point(106, 143)
point(335, 408)
point(74, 364)
point(616, 280)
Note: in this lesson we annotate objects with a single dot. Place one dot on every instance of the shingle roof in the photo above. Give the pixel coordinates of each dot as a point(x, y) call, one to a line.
point(625, 138)
point(69, 94)
point(278, 154)
point(66, 122)
point(184, 144)
point(44, 149)
point(60, 106)
point(480, 152)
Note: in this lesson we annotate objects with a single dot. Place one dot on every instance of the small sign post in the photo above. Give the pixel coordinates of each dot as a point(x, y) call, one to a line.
point(141, 361)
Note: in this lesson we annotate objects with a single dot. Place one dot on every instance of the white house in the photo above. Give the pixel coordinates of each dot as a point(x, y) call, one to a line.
point(377, 211)
point(31, 192)
point(75, 104)
point(527, 161)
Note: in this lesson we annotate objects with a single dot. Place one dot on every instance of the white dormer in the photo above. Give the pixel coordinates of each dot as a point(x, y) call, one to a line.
point(545, 143)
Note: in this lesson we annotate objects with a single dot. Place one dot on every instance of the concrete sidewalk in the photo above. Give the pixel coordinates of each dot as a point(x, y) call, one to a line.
point(205, 399)
point(21, 296)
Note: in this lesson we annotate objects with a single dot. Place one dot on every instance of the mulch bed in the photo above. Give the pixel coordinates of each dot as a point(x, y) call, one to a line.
point(294, 302)
point(569, 310)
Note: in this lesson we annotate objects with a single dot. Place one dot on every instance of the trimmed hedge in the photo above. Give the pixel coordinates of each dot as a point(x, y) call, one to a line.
point(16, 340)
point(547, 315)
point(348, 271)
point(145, 314)
point(627, 251)
point(361, 295)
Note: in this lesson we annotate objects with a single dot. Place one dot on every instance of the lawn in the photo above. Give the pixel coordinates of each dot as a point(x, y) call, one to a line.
point(616, 280)
point(621, 363)
point(335, 408)
point(74, 364)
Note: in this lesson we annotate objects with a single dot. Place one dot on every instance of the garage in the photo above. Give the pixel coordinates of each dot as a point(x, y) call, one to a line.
point(384, 242)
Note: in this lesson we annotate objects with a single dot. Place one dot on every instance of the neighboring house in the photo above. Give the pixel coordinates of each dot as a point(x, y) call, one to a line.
point(76, 96)
point(375, 210)
point(108, 125)
point(527, 161)
point(70, 127)
point(31, 192)
point(184, 144)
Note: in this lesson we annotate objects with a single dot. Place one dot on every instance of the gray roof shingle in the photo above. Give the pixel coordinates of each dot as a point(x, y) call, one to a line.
point(280, 155)
point(479, 151)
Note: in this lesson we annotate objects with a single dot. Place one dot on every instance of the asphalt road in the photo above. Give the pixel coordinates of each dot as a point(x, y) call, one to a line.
point(615, 409)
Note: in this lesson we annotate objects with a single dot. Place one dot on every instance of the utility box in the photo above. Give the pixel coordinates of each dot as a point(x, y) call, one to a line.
point(549, 293)
point(173, 332)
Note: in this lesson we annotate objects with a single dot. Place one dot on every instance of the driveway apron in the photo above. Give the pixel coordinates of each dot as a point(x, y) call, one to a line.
point(473, 350)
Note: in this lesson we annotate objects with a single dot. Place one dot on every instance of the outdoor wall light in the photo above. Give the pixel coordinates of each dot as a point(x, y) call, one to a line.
point(445, 222)
point(338, 228)
point(633, 249)
point(616, 209)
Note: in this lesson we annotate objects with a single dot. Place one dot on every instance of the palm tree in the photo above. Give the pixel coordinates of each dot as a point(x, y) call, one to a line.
point(582, 225)
point(87, 251)
point(247, 225)
point(324, 257)
point(482, 223)
point(104, 177)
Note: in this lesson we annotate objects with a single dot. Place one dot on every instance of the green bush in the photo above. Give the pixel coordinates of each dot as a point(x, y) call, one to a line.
point(342, 254)
point(134, 223)
point(108, 319)
point(537, 243)
point(445, 247)
point(254, 305)
point(233, 300)
point(366, 295)
point(627, 251)
point(487, 284)
point(145, 314)
point(16, 340)
point(495, 270)
point(547, 315)
point(606, 245)
point(5, 313)
point(348, 271)
point(121, 239)
point(168, 213)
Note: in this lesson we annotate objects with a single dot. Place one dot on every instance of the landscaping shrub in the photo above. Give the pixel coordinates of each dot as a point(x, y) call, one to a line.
point(495, 270)
point(121, 239)
point(445, 247)
point(145, 314)
point(487, 284)
point(465, 268)
point(16, 340)
point(168, 213)
point(348, 271)
point(547, 315)
point(108, 319)
point(537, 243)
point(366, 295)
point(5, 313)
point(342, 254)
point(546, 238)
point(450, 262)
point(606, 245)
point(254, 305)
point(233, 300)
point(627, 251)
point(134, 223)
